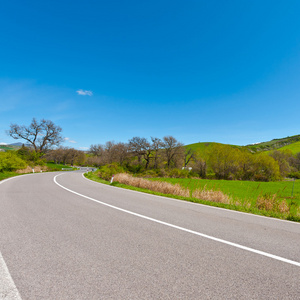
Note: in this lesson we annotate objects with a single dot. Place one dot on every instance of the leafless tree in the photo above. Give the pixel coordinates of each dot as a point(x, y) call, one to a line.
point(173, 150)
point(121, 152)
point(66, 155)
point(42, 135)
point(137, 146)
point(97, 150)
point(156, 148)
point(110, 152)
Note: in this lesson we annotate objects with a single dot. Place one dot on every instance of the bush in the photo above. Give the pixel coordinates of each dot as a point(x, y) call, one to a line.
point(9, 161)
point(294, 175)
point(107, 171)
point(177, 173)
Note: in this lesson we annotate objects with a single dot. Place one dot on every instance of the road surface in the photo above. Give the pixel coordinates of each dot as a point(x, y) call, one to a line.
point(63, 236)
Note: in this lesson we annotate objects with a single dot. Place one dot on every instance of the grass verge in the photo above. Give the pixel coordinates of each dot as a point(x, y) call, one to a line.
point(50, 168)
point(5, 175)
point(260, 208)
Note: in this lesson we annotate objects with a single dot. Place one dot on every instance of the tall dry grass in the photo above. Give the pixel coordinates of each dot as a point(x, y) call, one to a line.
point(173, 189)
point(156, 186)
point(211, 195)
point(37, 169)
point(272, 203)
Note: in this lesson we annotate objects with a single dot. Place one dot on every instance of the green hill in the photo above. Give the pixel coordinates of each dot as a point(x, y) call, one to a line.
point(275, 144)
point(201, 148)
point(7, 147)
point(292, 143)
point(295, 147)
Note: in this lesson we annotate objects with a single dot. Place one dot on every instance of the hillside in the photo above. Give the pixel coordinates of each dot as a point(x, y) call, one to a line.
point(292, 143)
point(294, 147)
point(201, 148)
point(276, 144)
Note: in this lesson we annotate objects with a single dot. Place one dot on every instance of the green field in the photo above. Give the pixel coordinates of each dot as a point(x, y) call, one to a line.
point(242, 190)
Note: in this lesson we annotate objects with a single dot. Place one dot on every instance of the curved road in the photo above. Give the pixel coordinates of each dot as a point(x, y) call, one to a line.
point(65, 237)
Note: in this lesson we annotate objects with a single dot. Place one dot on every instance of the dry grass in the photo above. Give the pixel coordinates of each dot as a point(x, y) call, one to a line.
point(37, 169)
point(271, 202)
point(211, 195)
point(156, 186)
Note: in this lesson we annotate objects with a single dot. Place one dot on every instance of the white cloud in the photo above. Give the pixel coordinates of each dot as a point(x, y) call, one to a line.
point(84, 93)
point(3, 144)
point(83, 148)
point(69, 140)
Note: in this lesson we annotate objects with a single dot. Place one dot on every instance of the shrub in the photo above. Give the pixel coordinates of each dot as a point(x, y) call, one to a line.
point(107, 171)
point(9, 161)
point(177, 173)
point(294, 175)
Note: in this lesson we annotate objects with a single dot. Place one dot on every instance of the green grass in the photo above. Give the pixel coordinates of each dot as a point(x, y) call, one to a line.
point(6, 148)
point(295, 147)
point(275, 144)
point(201, 148)
point(57, 167)
point(242, 190)
point(4, 175)
point(51, 168)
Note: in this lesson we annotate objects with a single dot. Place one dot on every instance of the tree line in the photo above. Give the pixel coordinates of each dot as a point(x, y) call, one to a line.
point(154, 156)
point(167, 156)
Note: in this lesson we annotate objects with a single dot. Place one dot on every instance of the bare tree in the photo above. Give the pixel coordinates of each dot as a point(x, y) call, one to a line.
point(97, 150)
point(42, 135)
point(137, 147)
point(156, 147)
point(121, 152)
point(173, 150)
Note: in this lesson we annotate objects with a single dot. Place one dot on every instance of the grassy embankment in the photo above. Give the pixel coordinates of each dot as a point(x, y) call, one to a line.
point(273, 199)
point(51, 167)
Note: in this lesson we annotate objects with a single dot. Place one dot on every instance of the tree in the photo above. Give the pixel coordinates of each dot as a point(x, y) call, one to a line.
point(137, 146)
point(156, 147)
point(223, 160)
point(173, 150)
point(189, 156)
point(42, 135)
point(97, 150)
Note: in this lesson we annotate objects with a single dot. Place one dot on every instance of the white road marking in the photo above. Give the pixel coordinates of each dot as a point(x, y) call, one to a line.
point(8, 290)
point(194, 203)
point(279, 258)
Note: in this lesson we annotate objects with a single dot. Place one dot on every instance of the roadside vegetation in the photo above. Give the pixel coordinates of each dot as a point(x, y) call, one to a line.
point(265, 204)
point(211, 173)
point(261, 178)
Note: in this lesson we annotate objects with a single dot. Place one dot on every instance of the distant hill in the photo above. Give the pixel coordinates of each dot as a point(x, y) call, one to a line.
point(13, 146)
point(201, 147)
point(283, 143)
point(294, 147)
point(292, 143)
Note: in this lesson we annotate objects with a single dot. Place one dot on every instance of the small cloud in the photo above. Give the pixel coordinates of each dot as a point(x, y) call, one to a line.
point(69, 140)
point(84, 93)
point(3, 144)
point(83, 148)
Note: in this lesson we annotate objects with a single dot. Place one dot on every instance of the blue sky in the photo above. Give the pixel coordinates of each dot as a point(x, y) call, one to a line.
point(208, 71)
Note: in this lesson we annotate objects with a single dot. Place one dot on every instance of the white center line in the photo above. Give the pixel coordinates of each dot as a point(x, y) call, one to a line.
point(295, 263)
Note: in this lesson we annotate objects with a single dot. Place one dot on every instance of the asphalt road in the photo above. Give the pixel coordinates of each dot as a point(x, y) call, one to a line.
point(65, 237)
